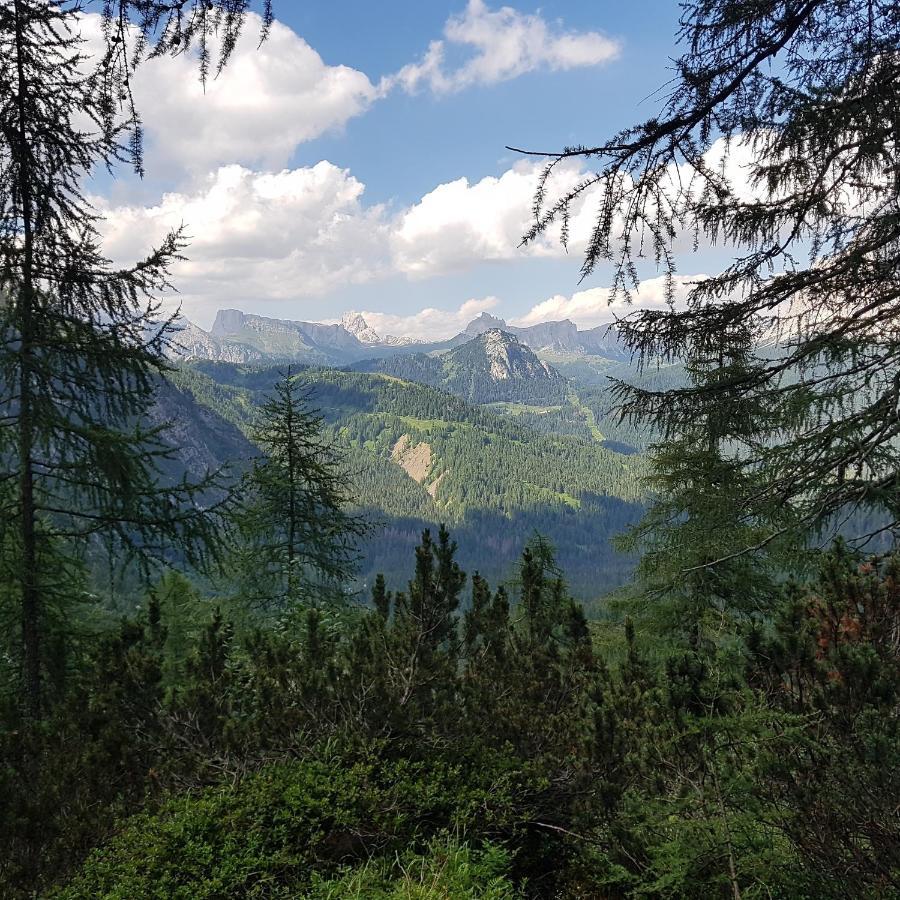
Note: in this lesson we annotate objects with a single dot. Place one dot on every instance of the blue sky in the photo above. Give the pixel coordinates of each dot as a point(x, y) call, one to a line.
point(407, 144)
point(325, 171)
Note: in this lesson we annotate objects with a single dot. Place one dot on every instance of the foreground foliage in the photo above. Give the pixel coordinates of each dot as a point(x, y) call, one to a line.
point(455, 738)
point(776, 139)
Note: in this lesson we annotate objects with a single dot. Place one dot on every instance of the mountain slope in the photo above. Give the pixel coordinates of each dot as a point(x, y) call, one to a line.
point(282, 339)
point(418, 456)
point(491, 367)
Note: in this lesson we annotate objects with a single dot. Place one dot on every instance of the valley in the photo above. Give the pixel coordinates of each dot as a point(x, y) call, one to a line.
point(417, 456)
point(500, 431)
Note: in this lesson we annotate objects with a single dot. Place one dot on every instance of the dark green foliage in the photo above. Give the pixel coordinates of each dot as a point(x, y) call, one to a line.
point(833, 657)
point(694, 579)
point(314, 752)
point(283, 830)
point(495, 479)
point(777, 139)
point(83, 342)
point(457, 739)
point(63, 781)
point(443, 869)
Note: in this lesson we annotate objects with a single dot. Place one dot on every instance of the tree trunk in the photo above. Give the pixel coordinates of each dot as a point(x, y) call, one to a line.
point(31, 600)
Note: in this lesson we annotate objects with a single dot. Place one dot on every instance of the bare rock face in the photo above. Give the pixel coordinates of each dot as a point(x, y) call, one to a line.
point(509, 358)
point(281, 339)
point(192, 342)
point(414, 460)
point(562, 336)
point(391, 340)
point(494, 367)
point(550, 336)
point(360, 328)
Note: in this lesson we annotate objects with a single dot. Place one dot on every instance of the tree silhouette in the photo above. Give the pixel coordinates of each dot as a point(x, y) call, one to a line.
point(778, 140)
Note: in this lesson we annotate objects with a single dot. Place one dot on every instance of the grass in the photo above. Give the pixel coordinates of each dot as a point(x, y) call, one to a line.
point(588, 415)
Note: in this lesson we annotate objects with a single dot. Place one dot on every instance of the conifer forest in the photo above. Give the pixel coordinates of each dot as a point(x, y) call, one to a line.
point(540, 609)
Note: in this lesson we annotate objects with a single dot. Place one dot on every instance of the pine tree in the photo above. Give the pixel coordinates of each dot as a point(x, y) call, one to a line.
point(296, 539)
point(778, 139)
point(423, 641)
point(832, 658)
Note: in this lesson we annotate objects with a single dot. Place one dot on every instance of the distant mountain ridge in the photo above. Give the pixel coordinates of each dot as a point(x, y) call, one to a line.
point(562, 336)
point(362, 331)
point(239, 337)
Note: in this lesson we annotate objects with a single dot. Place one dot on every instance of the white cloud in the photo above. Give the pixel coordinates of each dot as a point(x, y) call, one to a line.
point(267, 101)
point(430, 323)
point(459, 223)
point(305, 232)
point(502, 44)
point(592, 307)
point(274, 236)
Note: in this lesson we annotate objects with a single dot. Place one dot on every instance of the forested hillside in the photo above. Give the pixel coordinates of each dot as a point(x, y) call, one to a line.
point(419, 456)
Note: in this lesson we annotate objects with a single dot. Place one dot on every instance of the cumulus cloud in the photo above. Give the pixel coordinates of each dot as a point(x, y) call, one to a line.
point(596, 306)
point(501, 44)
point(461, 222)
point(255, 235)
point(300, 233)
point(267, 101)
point(307, 231)
point(429, 323)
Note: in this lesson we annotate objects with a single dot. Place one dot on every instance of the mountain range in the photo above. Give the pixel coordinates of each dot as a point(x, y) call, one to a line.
point(240, 337)
point(500, 431)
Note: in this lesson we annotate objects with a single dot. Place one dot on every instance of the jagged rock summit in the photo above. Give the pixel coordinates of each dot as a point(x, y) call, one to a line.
point(500, 356)
point(360, 328)
point(484, 322)
point(506, 356)
point(562, 336)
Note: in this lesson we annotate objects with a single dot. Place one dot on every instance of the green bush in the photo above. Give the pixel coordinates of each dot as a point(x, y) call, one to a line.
point(291, 826)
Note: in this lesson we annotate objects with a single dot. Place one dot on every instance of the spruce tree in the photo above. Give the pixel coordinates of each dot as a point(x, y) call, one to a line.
point(296, 541)
point(778, 140)
point(693, 579)
point(83, 343)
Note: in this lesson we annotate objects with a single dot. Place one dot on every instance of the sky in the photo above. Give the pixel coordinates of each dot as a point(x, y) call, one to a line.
point(356, 160)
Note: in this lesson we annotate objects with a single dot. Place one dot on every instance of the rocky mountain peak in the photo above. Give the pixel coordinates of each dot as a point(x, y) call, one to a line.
point(228, 321)
point(484, 322)
point(360, 328)
point(509, 358)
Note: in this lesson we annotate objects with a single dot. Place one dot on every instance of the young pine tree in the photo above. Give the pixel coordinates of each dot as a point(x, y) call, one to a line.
point(832, 657)
point(424, 638)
